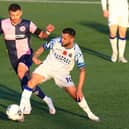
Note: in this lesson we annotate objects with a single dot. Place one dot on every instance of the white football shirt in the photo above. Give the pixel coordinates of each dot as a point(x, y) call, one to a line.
point(62, 59)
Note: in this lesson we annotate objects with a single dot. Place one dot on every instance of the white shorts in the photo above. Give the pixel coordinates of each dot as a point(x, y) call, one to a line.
point(121, 20)
point(61, 79)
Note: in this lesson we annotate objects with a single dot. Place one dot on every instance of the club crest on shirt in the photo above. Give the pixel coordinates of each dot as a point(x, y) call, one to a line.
point(70, 55)
point(22, 28)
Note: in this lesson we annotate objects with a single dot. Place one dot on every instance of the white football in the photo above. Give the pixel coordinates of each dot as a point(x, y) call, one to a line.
point(14, 112)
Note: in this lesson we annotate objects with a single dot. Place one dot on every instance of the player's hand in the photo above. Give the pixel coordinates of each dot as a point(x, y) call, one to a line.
point(106, 13)
point(36, 61)
point(79, 95)
point(50, 28)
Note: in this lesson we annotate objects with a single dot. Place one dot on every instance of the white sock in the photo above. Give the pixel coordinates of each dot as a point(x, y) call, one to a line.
point(121, 46)
point(113, 42)
point(45, 99)
point(83, 104)
point(25, 98)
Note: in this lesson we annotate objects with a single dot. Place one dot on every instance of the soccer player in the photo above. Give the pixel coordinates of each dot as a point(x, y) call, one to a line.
point(16, 32)
point(117, 13)
point(63, 55)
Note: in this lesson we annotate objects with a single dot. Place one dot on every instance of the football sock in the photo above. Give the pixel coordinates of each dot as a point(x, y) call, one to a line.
point(83, 104)
point(121, 46)
point(24, 82)
point(25, 97)
point(113, 42)
point(45, 99)
point(37, 91)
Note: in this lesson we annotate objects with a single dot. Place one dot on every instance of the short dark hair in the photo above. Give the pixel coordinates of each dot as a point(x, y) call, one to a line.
point(69, 31)
point(14, 7)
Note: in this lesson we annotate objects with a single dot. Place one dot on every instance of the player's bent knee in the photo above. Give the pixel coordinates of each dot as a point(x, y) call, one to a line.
point(35, 80)
point(32, 83)
point(22, 69)
point(20, 74)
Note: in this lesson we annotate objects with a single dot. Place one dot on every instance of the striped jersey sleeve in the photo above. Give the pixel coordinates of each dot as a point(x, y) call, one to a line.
point(49, 45)
point(79, 58)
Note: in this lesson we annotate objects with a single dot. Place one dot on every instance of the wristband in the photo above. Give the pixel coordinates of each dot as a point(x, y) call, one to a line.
point(48, 33)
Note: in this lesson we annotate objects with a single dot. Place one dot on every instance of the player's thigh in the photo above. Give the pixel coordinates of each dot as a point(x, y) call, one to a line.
point(65, 81)
point(24, 63)
point(113, 30)
point(62, 80)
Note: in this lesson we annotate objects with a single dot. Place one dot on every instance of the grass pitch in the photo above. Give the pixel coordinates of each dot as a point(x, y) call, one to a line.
point(107, 84)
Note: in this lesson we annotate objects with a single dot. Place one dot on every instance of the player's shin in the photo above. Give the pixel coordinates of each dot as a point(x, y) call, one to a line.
point(113, 42)
point(24, 81)
point(38, 92)
point(83, 104)
point(25, 100)
point(122, 46)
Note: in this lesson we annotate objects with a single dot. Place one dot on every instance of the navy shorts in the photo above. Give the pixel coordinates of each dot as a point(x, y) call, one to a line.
point(26, 59)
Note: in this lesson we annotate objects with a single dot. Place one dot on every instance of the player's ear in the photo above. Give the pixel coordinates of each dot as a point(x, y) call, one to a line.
point(72, 39)
point(21, 12)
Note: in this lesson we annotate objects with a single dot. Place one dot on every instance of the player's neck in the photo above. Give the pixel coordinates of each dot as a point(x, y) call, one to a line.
point(68, 46)
point(15, 23)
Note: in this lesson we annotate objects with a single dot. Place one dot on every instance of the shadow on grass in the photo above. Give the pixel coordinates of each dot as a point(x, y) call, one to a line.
point(102, 28)
point(96, 26)
point(9, 94)
point(95, 53)
point(99, 28)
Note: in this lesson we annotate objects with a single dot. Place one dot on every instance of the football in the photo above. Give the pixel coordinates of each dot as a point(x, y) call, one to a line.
point(14, 112)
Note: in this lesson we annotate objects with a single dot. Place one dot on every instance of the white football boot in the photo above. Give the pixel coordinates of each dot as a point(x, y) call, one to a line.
point(27, 109)
point(114, 58)
point(50, 105)
point(93, 117)
point(123, 60)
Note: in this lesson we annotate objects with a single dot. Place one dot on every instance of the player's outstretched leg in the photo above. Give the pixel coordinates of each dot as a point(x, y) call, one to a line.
point(82, 104)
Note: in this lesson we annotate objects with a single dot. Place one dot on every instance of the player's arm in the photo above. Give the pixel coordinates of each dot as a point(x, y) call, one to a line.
point(45, 46)
point(81, 65)
point(37, 53)
point(40, 33)
point(79, 92)
point(49, 29)
point(104, 4)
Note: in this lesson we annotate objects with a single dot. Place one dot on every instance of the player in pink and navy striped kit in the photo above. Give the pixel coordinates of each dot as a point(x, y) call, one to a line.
point(17, 33)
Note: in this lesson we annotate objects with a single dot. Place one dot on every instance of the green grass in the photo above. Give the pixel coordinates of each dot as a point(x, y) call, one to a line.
point(106, 87)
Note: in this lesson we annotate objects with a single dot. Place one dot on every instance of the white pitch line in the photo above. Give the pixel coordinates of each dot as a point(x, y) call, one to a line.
point(54, 1)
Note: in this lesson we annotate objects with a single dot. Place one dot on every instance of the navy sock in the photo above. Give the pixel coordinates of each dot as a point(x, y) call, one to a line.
point(24, 82)
point(39, 92)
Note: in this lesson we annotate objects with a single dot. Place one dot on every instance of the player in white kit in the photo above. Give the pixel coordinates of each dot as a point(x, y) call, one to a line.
point(117, 13)
point(63, 55)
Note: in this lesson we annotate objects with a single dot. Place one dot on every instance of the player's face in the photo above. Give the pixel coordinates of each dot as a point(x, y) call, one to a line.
point(15, 16)
point(67, 40)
